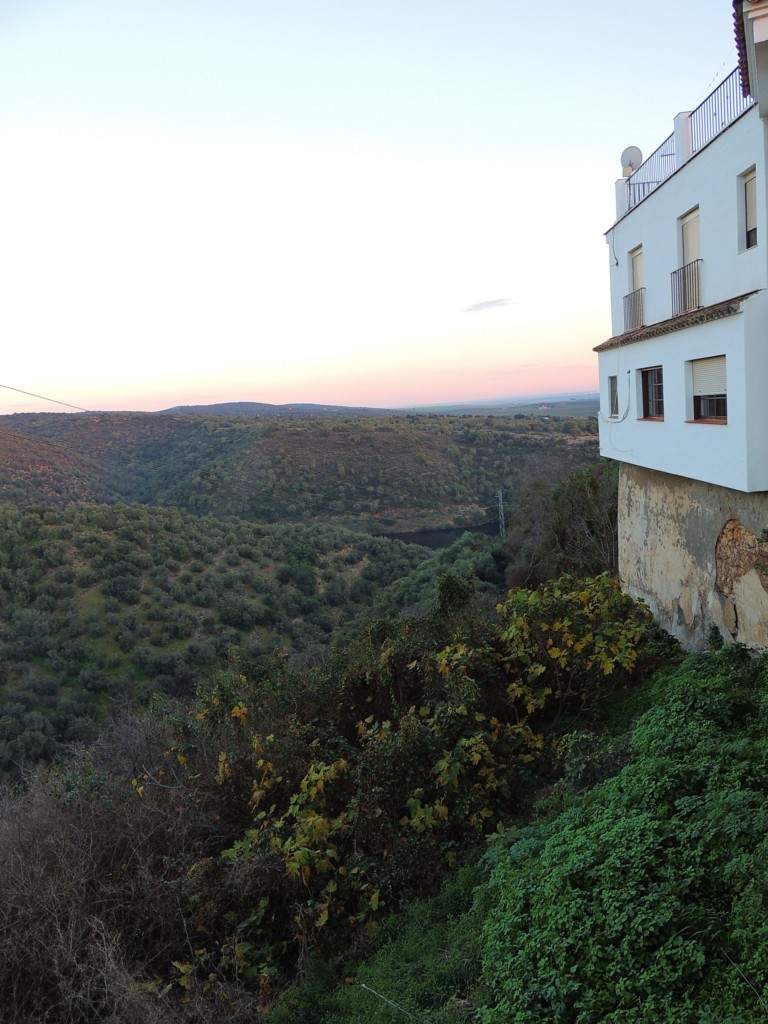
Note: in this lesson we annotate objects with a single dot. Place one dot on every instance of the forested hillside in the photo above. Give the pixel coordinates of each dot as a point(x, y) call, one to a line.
point(261, 763)
point(547, 816)
point(201, 860)
point(103, 604)
point(376, 474)
point(252, 536)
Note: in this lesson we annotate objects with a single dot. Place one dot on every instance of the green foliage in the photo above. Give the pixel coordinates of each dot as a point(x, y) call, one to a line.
point(279, 822)
point(156, 601)
point(567, 636)
point(399, 472)
point(425, 959)
point(415, 743)
point(644, 900)
point(566, 526)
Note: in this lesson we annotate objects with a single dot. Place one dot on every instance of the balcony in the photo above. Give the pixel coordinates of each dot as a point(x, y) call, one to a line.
point(634, 312)
point(686, 288)
point(711, 117)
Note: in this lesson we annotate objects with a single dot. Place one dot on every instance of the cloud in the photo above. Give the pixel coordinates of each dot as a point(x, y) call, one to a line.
point(479, 307)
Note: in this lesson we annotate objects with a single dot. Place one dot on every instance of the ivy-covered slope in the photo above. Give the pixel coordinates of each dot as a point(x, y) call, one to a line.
point(639, 900)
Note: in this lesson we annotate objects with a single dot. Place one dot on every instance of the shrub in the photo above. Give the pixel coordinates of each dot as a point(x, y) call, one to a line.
point(644, 901)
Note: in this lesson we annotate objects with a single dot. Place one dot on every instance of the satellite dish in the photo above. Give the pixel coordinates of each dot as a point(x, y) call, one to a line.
point(631, 159)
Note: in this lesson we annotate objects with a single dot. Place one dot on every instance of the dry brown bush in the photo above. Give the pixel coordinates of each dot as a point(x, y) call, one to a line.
point(90, 912)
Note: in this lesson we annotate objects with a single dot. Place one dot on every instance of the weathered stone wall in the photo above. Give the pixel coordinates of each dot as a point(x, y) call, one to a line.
point(696, 553)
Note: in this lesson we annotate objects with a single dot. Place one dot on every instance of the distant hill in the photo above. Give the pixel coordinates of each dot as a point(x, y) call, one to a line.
point(297, 411)
point(545, 405)
point(375, 474)
point(579, 405)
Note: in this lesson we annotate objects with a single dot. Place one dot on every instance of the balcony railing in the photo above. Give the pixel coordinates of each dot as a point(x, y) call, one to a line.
point(634, 315)
point(717, 111)
point(651, 172)
point(686, 288)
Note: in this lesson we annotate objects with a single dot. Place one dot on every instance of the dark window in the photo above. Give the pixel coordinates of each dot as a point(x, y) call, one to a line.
point(653, 393)
point(613, 398)
point(710, 407)
point(750, 209)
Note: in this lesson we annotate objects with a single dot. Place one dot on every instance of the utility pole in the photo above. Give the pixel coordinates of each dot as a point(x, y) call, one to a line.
point(502, 529)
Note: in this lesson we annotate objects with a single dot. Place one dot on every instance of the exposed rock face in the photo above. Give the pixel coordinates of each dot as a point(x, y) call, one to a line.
point(696, 554)
point(737, 553)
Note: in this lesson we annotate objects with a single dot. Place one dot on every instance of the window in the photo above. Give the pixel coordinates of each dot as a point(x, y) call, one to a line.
point(748, 210)
point(686, 280)
point(690, 236)
point(637, 276)
point(653, 393)
point(634, 316)
point(710, 399)
point(613, 397)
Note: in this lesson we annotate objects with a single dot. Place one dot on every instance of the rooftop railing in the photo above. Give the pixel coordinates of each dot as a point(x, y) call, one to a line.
point(718, 110)
point(651, 172)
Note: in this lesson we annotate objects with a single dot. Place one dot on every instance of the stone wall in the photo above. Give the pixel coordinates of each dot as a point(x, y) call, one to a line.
point(696, 553)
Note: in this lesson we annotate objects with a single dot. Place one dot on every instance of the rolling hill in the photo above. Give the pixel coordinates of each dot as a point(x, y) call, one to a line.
point(376, 474)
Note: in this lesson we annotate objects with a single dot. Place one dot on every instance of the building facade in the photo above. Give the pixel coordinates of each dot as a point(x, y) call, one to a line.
point(683, 379)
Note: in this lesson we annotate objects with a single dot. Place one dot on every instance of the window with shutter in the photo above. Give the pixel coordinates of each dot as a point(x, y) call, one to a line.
point(710, 391)
point(634, 315)
point(691, 237)
point(750, 209)
point(636, 261)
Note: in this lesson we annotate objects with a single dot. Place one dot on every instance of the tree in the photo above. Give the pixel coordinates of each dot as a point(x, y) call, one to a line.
point(571, 527)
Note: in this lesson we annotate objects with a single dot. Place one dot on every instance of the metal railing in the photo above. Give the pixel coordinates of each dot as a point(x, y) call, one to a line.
point(714, 114)
point(651, 172)
point(718, 110)
point(634, 313)
point(686, 287)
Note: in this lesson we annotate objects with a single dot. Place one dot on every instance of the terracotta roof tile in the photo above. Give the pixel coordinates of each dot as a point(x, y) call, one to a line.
point(741, 46)
point(676, 323)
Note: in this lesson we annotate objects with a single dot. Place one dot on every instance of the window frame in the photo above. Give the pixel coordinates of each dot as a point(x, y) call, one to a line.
point(747, 205)
point(613, 397)
point(652, 392)
point(636, 269)
point(703, 411)
point(690, 236)
point(708, 390)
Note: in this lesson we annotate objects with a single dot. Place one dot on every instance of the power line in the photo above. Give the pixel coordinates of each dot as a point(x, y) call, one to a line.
point(43, 398)
point(43, 440)
point(93, 453)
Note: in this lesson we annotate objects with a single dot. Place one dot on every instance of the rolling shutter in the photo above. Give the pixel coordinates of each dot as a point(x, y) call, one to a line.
point(638, 278)
point(691, 237)
point(709, 376)
point(750, 208)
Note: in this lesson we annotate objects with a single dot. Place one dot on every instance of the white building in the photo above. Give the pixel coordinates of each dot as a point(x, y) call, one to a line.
point(684, 377)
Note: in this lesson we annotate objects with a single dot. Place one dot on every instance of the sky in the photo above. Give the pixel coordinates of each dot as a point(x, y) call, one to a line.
point(389, 204)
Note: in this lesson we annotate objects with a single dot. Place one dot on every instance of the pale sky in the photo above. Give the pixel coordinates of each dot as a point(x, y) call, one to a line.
point(349, 202)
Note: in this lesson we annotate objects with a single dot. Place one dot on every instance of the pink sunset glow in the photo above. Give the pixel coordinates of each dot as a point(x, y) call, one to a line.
point(375, 210)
